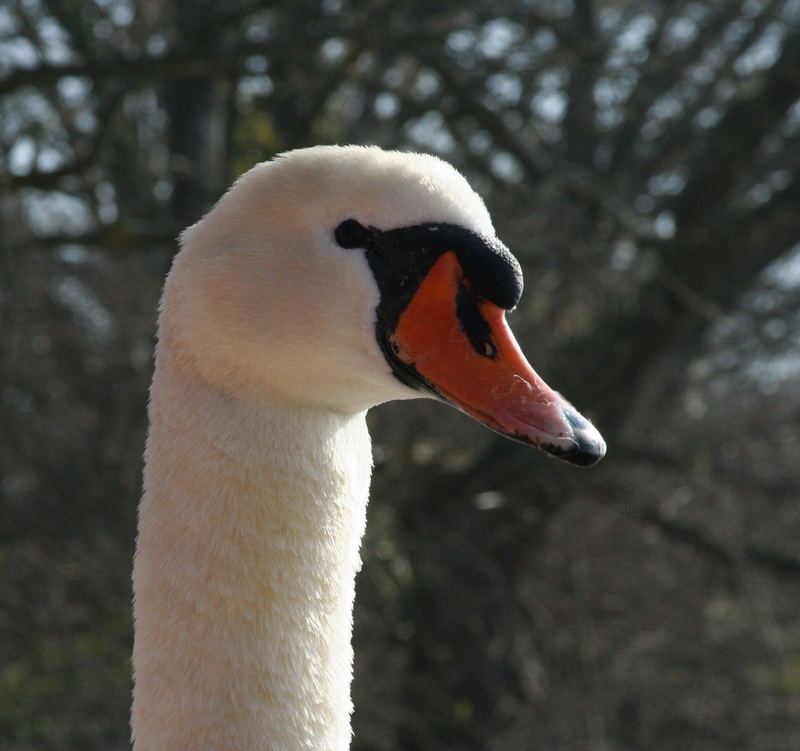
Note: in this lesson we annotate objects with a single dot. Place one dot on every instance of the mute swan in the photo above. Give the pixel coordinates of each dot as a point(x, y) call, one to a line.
point(324, 282)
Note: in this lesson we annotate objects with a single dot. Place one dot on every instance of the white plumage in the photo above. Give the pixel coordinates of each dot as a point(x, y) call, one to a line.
point(258, 457)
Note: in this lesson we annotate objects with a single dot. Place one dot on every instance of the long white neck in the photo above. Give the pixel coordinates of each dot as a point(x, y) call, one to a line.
point(249, 534)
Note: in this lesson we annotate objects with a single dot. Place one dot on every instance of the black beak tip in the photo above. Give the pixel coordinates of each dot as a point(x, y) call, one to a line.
point(589, 447)
point(585, 454)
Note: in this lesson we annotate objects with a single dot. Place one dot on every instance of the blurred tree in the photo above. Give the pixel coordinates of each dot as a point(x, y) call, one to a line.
point(641, 159)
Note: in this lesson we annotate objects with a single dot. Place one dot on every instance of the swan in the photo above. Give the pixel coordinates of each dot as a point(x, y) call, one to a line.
point(324, 282)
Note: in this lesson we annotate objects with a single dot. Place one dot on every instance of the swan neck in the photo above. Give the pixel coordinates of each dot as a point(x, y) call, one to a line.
point(249, 533)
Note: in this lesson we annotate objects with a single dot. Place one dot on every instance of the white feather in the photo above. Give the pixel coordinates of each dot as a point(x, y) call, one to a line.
point(258, 457)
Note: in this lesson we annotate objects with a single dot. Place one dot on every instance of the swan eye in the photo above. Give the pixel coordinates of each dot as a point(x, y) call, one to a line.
point(350, 234)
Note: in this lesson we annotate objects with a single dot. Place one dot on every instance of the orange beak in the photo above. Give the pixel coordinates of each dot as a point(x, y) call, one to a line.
point(461, 347)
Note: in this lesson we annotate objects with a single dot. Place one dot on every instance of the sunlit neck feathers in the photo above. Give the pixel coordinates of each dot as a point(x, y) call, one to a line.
point(279, 327)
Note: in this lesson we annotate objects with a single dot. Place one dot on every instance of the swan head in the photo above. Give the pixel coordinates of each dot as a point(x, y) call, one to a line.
point(342, 277)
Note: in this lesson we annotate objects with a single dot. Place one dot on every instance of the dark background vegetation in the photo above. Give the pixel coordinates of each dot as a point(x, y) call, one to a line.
point(640, 158)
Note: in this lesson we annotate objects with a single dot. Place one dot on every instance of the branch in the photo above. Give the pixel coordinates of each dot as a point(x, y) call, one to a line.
point(136, 68)
point(193, 63)
point(538, 161)
point(672, 143)
point(691, 536)
point(660, 76)
point(731, 476)
point(115, 237)
point(535, 161)
point(46, 179)
point(777, 562)
point(580, 132)
point(737, 135)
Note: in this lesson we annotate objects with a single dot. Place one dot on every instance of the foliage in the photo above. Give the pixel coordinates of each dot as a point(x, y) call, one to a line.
point(642, 161)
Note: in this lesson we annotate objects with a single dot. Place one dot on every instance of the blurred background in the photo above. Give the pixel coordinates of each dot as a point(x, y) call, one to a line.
point(640, 158)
